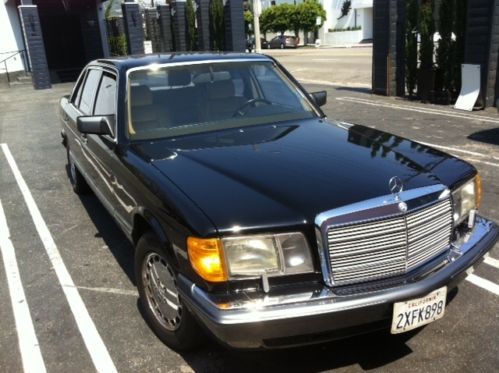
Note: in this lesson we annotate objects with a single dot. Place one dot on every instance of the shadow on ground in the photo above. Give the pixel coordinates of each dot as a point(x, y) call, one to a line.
point(490, 136)
point(108, 230)
point(354, 89)
point(370, 351)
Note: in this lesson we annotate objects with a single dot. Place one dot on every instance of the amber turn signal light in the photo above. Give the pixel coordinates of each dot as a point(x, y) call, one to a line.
point(478, 191)
point(206, 257)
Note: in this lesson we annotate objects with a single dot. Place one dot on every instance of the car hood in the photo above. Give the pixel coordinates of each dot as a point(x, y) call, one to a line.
point(283, 175)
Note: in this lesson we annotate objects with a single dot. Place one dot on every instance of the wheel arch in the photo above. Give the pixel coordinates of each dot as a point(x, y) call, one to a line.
point(144, 221)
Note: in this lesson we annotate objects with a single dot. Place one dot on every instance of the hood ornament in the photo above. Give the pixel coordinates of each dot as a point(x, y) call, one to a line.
point(396, 186)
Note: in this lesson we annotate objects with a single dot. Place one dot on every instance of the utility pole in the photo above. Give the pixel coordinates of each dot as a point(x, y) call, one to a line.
point(257, 10)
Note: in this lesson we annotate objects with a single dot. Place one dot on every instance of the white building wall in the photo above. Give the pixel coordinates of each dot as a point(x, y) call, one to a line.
point(11, 37)
point(367, 23)
point(360, 15)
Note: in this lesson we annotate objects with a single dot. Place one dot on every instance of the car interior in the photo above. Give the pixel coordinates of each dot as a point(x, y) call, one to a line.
point(182, 97)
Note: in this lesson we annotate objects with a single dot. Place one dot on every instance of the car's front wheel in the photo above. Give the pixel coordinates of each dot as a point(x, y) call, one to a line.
point(77, 180)
point(163, 308)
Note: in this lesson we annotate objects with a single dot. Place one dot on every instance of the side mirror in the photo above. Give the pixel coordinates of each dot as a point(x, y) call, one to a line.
point(97, 125)
point(320, 98)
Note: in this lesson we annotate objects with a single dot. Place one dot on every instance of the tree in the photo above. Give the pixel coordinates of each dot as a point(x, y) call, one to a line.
point(345, 9)
point(308, 12)
point(217, 30)
point(446, 46)
point(458, 55)
point(191, 26)
point(426, 30)
point(277, 18)
point(411, 45)
point(248, 21)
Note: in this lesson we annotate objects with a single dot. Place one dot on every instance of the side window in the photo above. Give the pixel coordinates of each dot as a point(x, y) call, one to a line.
point(105, 103)
point(88, 94)
point(79, 88)
point(273, 87)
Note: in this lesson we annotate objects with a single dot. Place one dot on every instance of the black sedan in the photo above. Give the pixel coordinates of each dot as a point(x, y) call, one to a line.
point(258, 218)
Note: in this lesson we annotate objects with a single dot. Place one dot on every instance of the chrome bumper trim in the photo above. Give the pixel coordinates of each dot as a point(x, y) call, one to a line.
point(324, 301)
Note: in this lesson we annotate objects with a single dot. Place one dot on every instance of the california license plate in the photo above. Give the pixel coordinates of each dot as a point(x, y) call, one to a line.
point(414, 313)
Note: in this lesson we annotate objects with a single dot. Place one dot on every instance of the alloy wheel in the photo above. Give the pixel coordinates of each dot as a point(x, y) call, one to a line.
point(161, 291)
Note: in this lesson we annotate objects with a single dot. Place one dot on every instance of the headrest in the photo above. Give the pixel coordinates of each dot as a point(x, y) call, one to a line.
point(221, 89)
point(141, 95)
point(179, 77)
point(210, 77)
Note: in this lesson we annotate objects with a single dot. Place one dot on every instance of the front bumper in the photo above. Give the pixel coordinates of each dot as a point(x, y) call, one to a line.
point(321, 313)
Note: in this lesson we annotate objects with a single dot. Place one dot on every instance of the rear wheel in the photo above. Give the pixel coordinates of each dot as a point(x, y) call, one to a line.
point(282, 46)
point(77, 180)
point(163, 308)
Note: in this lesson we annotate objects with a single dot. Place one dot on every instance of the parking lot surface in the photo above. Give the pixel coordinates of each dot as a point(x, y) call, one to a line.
point(75, 267)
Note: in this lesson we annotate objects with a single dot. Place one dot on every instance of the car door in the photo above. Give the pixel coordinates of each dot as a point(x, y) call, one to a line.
point(104, 149)
point(81, 105)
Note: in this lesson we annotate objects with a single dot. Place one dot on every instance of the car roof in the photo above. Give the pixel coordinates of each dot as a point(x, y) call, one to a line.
point(128, 62)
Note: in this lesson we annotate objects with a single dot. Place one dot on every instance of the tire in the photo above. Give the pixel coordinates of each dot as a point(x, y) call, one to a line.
point(268, 46)
point(177, 328)
point(78, 182)
point(282, 46)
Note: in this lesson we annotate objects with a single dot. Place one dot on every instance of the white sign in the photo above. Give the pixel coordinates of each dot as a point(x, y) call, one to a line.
point(147, 46)
point(470, 87)
point(318, 21)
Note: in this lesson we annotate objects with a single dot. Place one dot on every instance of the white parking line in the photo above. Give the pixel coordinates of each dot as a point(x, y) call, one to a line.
point(420, 109)
point(93, 341)
point(31, 355)
point(450, 148)
point(332, 84)
point(483, 283)
point(132, 293)
point(492, 262)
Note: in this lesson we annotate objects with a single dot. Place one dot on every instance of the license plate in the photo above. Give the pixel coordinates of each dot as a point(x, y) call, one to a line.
point(414, 313)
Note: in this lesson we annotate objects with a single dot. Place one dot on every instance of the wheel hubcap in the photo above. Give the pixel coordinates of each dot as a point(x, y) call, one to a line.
point(161, 291)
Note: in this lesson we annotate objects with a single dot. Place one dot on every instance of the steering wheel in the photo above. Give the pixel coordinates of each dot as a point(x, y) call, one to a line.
point(241, 111)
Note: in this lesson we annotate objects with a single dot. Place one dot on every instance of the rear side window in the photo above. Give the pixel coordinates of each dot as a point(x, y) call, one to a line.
point(105, 103)
point(88, 94)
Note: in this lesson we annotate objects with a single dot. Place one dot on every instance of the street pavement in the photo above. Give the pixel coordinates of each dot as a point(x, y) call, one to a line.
point(83, 239)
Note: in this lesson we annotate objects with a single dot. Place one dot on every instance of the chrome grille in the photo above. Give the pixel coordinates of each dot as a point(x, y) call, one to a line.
point(391, 246)
point(428, 232)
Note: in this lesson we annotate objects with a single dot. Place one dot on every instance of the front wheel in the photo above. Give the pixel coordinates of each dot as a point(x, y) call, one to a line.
point(163, 308)
point(77, 180)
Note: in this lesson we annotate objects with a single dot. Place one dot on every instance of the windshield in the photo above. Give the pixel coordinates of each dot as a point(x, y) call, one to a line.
point(166, 101)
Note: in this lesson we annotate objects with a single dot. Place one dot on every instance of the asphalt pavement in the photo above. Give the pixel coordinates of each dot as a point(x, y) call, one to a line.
point(75, 267)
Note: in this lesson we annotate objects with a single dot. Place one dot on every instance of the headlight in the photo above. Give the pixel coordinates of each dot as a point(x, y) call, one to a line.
point(250, 256)
point(267, 254)
point(467, 198)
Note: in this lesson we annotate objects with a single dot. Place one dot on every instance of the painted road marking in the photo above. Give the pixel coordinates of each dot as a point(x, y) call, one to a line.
point(332, 84)
point(492, 262)
point(93, 341)
point(469, 152)
point(420, 109)
point(132, 293)
point(483, 283)
point(31, 355)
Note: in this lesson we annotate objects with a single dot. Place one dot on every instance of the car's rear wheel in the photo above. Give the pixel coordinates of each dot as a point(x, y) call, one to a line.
point(78, 182)
point(163, 308)
point(282, 46)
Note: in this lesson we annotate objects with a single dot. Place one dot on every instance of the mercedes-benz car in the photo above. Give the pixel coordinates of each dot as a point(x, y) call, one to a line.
point(256, 218)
